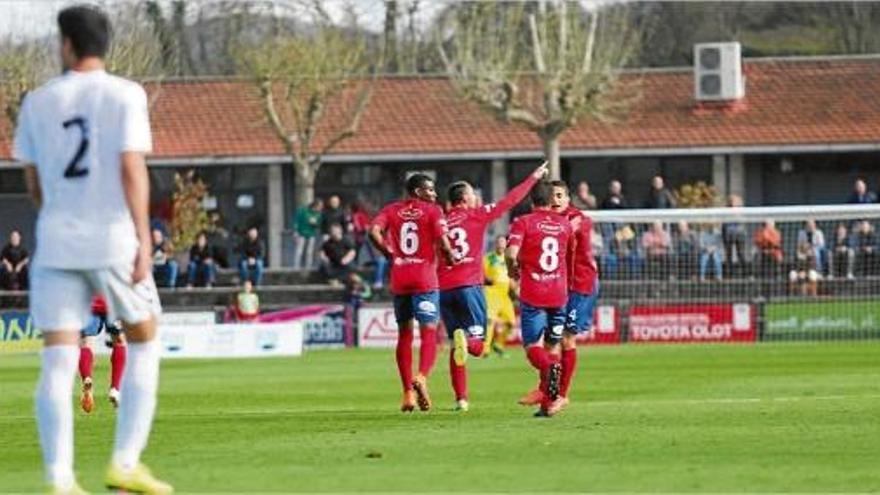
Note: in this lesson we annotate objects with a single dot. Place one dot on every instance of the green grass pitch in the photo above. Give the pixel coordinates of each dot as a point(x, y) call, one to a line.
point(795, 417)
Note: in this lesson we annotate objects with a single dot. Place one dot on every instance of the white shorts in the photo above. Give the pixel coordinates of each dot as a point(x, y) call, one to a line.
point(62, 299)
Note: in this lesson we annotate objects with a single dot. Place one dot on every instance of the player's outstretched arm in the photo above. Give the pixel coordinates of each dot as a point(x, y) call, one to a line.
point(136, 185)
point(517, 194)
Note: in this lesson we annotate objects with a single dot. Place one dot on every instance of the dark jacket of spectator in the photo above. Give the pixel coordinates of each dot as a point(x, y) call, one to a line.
point(661, 198)
point(336, 250)
point(14, 254)
point(200, 254)
point(251, 248)
point(614, 202)
point(334, 216)
point(865, 241)
point(867, 198)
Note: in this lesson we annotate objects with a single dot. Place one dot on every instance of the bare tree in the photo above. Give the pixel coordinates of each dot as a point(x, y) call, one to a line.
point(314, 90)
point(543, 65)
point(136, 52)
point(22, 67)
point(857, 25)
point(390, 36)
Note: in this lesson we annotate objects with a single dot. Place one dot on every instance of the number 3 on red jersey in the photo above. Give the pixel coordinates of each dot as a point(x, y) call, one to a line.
point(460, 247)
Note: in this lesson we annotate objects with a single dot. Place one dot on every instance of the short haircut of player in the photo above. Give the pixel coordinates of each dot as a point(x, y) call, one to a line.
point(560, 184)
point(416, 182)
point(542, 193)
point(455, 192)
point(87, 28)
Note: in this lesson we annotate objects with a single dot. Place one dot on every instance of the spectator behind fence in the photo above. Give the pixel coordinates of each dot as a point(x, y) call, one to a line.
point(861, 194)
point(251, 262)
point(734, 236)
point(337, 256)
point(768, 242)
point(334, 214)
point(201, 263)
point(624, 251)
point(842, 253)
point(686, 248)
point(247, 303)
point(865, 243)
point(804, 277)
point(584, 199)
point(306, 225)
point(14, 260)
point(218, 239)
point(615, 199)
point(711, 249)
point(815, 238)
point(659, 196)
point(165, 267)
point(657, 244)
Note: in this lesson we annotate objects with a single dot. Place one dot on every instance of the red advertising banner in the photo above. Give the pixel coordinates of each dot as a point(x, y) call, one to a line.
point(693, 323)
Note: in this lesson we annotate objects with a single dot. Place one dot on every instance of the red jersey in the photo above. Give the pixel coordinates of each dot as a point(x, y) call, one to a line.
point(583, 271)
point(412, 231)
point(543, 238)
point(467, 232)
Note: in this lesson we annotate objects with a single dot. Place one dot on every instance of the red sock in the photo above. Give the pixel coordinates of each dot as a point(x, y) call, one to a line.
point(404, 357)
point(459, 379)
point(117, 364)
point(539, 358)
point(569, 364)
point(86, 362)
point(428, 349)
point(475, 347)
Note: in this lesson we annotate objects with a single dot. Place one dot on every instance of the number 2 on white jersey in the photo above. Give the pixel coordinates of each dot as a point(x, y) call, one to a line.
point(460, 247)
point(549, 259)
point(409, 238)
point(73, 171)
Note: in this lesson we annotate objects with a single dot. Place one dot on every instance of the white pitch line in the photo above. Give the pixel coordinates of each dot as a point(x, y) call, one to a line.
point(363, 412)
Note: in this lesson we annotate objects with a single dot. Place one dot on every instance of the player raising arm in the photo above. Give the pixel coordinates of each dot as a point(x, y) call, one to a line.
point(583, 290)
point(410, 232)
point(537, 255)
point(462, 302)
point(84, 136)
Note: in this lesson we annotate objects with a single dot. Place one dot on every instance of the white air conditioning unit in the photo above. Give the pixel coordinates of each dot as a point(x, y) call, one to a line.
point(718, 72)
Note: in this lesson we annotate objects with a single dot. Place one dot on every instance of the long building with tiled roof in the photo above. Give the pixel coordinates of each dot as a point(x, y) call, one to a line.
point(806, 128)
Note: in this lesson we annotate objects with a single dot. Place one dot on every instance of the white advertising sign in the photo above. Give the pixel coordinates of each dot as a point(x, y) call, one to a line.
point(232, 340)
point(377, 327)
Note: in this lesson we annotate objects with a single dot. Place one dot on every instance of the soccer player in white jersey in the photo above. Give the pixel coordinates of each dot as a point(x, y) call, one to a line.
point(84, 136)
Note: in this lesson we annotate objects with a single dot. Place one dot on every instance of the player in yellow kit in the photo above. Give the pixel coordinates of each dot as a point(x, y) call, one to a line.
point(499, 305)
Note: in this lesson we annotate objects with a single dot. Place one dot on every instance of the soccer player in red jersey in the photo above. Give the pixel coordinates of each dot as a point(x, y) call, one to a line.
point(462, 302)
point(409, 232)
point(99, 322)
point(583, 290)
point(538, 256)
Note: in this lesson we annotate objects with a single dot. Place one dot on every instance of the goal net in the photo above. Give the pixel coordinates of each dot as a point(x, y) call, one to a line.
point(739, 274)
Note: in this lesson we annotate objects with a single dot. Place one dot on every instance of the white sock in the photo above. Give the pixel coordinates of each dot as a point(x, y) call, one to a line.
point(140, 381)
point(55, 412)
